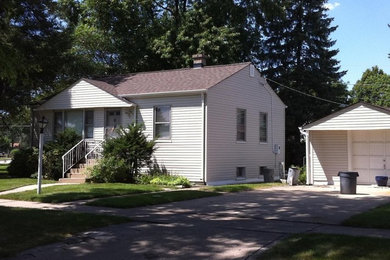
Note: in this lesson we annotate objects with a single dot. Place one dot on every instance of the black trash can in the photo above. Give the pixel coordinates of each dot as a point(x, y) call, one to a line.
point(268, 175)
point(348, 182)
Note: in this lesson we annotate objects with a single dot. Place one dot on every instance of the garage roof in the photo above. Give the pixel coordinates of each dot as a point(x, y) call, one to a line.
point(359, 116)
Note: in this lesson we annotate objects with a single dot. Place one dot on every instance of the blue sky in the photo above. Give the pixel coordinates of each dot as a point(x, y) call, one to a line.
point(363, 37)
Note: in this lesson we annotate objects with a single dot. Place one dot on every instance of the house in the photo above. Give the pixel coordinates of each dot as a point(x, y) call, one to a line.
point(214, 124)
point(356, 138)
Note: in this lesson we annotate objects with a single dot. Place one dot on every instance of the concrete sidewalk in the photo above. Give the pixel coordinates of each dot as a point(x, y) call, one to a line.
point(32, 187)
point(232, 226)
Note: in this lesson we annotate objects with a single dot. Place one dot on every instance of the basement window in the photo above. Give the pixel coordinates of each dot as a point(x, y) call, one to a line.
point(240, 173)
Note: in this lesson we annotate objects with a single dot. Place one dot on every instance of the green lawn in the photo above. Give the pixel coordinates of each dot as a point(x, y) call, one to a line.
point(242, 187)
point(3, 169)
point(26, 228)
point(374, 218)
point(331, 247)
point(151, 199)
point(55, 194)
point(12, 183)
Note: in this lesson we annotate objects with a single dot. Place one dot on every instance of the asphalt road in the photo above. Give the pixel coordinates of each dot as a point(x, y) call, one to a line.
point(232, 226)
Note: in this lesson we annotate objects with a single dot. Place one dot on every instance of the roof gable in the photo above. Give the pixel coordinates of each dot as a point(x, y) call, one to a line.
point(359, 116)
point(84, 94)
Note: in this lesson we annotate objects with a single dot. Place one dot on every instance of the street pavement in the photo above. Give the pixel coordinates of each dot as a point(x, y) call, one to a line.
point(233, 226)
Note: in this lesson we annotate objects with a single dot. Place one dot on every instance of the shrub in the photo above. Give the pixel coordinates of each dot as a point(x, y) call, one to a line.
point(24, 162)
point(132, 147)
point(53, 151)
point(109, 169)
point(144, 178)
point(171, 180)
point(302, 175)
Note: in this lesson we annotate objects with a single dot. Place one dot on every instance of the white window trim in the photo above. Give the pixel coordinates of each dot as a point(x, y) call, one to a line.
point(169, 140)
point(266, 133)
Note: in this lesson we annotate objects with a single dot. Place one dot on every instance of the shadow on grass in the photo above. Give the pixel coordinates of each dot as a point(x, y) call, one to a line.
point(27, 228)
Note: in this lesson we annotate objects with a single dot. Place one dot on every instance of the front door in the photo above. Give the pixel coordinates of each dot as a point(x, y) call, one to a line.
point(113, 120)
point(371, 154)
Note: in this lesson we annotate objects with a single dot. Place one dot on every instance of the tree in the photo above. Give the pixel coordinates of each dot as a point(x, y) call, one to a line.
point(297, 53)
point(33, 41)
point(373, 87)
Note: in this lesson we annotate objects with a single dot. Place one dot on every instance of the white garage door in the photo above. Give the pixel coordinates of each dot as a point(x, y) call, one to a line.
point(371, 154)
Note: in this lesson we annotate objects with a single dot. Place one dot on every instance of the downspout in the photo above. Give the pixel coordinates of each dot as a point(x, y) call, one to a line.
point(204, 137)
point(309, 179)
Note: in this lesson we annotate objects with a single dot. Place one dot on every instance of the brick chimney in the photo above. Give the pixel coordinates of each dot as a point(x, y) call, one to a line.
point(199, 60)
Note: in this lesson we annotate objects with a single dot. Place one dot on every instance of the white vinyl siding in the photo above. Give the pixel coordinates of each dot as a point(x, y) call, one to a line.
point(82, 95)
point(329, 155)
point(223, 151)
point(354, 118)
point(182, 154)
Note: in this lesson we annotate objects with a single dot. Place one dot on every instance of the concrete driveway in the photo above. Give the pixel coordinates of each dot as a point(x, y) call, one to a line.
point(232, 226)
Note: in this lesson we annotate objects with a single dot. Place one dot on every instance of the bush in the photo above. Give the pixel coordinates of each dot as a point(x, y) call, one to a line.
point(24, 163)
point(53, 151)
point(132, 147)
point(302, 175)
point(171, 180)
point(144, 178)
point(109, 169)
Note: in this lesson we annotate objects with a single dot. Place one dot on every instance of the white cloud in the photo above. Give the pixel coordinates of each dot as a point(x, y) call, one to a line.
point(331, 6)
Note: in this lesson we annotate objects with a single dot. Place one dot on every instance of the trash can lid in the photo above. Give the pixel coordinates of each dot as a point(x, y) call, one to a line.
point(349, 174)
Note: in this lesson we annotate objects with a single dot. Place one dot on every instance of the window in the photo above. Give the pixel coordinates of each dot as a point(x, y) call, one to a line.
point(241, 124)
point(240, 173)
point(79, 120)
point(263, 127)
point(162, 122)
point(74, 119)
point(58, 123)
point(88, 124)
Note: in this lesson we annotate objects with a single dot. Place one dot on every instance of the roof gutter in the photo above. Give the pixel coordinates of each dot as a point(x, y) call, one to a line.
point(156, 94)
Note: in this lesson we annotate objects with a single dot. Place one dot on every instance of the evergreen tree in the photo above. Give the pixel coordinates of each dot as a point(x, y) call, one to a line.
point(33, 44)
point(297, 53)
point(373, 87)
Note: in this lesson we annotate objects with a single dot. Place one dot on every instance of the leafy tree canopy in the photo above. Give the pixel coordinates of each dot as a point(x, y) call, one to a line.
point(32, 45)
point(373, 87)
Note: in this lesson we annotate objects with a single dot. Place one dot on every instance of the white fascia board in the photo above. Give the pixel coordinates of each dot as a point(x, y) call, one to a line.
point(167, 93)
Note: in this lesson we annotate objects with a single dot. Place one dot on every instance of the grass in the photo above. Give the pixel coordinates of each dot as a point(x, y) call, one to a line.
point(242, 187)
point(151, 199)
point(3, 169)
point(329, 246)
point(12, 183)
point(28, 228)
point(56, 194)
point(374, 218)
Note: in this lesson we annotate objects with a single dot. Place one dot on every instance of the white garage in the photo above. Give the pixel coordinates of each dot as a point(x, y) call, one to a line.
point(356, 138)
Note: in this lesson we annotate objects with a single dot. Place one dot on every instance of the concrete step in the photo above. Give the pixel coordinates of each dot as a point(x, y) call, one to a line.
point(77, 176)
point(72, 180)
point(77, 170)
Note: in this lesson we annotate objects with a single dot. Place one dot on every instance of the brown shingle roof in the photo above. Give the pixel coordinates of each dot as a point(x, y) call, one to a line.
point(168, 80)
